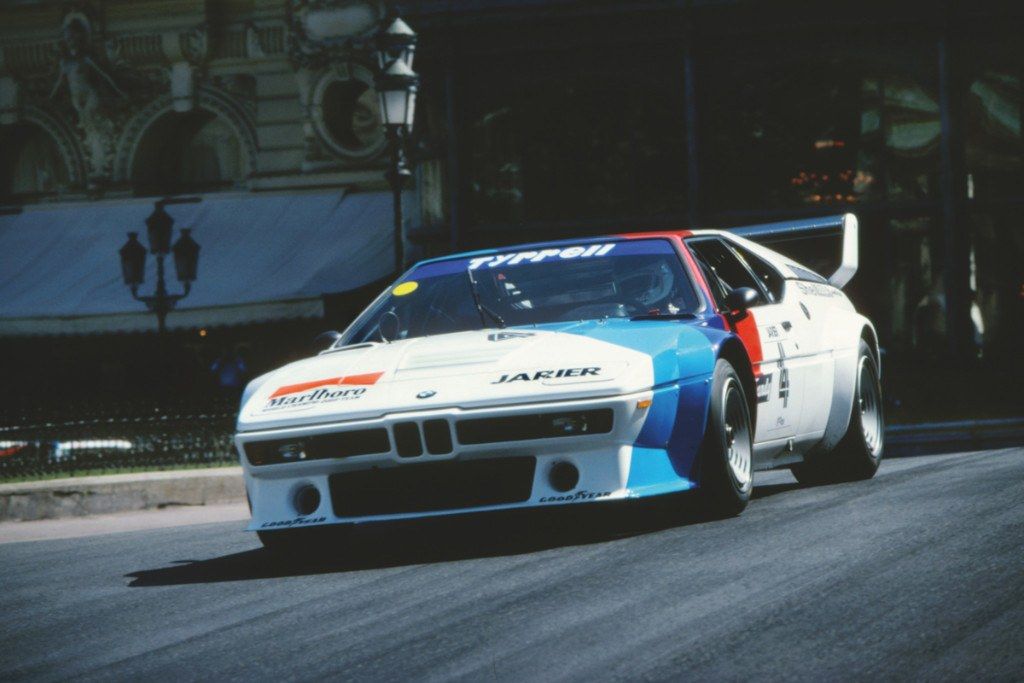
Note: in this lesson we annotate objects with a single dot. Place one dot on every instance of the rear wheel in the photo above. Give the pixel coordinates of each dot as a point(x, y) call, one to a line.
point(859, 453)
point(727, 473)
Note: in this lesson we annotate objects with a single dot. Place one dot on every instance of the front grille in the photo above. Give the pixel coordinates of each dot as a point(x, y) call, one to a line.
point(319, 447)
point(433, 486)
point(407, 439)
point(534, 426)
point(438, 437)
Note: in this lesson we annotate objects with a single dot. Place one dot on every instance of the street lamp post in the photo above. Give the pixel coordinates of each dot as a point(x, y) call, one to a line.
point(397, 85)
point(159, 228)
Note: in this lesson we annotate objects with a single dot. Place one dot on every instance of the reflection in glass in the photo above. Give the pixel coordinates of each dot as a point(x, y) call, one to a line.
point(997, 284)
point(916, 294)
point(826, 126)
point(592, 136)
point(995, 155)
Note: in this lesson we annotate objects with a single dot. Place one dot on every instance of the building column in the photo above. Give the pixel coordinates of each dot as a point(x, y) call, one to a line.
point(693, 199)
point(453, 175)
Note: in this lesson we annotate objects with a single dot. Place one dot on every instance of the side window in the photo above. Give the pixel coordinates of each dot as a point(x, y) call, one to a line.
point(718, 290)
point(725, 267)
point(769, 277)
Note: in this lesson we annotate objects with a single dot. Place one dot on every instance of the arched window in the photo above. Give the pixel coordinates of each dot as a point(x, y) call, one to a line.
point(30, 162)
point(189, 152)
point(346, 113)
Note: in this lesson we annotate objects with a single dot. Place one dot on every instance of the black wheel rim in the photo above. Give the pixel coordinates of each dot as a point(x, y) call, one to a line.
point(736, 427)
point(869, 405)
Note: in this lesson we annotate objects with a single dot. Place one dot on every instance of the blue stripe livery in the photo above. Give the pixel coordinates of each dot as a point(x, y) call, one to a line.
point(683, 354)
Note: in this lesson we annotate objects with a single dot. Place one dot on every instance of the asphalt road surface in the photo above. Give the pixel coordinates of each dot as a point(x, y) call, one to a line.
point(917, 573)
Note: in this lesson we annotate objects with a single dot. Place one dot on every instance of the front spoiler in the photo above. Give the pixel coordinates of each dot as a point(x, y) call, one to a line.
point(605, 463)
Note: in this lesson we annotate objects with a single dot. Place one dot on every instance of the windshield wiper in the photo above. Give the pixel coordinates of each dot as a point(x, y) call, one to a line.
point(664, 316)
point(481, 309)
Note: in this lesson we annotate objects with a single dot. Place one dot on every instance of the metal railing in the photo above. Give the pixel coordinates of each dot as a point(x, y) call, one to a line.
point(34, 446)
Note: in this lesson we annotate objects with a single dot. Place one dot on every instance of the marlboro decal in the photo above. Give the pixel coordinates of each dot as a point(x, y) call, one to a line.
point(318, 391)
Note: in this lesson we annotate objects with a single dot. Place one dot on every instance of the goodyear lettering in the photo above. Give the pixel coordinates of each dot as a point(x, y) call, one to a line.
point(576, 497)
point(547, 374)
point(298, 521)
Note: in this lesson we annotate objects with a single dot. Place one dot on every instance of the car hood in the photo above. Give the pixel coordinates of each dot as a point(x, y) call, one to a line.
point(472, 369)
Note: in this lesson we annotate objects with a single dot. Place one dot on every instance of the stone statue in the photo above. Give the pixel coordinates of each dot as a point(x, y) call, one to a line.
point(83, 75)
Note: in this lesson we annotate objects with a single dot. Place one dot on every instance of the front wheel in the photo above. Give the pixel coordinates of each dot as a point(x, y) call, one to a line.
point(727, 472)
point(859, 453)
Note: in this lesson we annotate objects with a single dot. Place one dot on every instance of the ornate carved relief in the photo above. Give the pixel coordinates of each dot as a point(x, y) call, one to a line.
point(326, 40)
point(210, 99)
point(324, 31)
point(67, 142)
point(344, 112)
point(92, 91)
point(97, 93)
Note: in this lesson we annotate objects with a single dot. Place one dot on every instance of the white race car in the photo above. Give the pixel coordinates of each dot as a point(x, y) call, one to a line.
point(581, 371)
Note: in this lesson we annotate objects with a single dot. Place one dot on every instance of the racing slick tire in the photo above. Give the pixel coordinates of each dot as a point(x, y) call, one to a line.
point(726, 455)
point(859, 452)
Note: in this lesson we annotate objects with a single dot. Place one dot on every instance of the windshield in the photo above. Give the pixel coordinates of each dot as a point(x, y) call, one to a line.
point(627, 279)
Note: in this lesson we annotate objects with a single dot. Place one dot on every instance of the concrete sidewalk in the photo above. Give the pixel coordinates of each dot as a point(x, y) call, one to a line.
point(81, 496)
point(118, 522)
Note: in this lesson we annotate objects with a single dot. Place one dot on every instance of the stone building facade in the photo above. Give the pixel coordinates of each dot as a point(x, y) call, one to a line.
point(114, 98)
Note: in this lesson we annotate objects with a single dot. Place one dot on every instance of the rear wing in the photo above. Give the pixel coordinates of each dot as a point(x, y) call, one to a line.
point(843, 226)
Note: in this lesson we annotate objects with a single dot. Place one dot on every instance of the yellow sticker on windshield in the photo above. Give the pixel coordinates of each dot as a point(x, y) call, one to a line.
point(405, 288)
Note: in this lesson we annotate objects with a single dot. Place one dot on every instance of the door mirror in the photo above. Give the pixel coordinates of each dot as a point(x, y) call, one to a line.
point(742, 298)
point(325, 340)
point(389, 327)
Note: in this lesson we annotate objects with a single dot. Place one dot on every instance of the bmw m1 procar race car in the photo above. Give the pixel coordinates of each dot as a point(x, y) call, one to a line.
point(572, 372)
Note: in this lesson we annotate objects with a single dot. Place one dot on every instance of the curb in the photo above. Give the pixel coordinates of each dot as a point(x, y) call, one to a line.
point(81, 496)
point(959, 431)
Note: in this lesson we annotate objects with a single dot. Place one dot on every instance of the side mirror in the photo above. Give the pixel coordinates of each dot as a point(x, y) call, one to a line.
point(325, 340)
point(742, 298)
point(389, 327)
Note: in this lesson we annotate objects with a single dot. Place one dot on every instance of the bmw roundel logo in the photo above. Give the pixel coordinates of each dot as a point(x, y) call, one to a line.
point(426, 394)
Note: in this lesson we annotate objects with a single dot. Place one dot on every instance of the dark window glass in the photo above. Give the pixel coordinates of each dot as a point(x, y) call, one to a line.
point(997, 286)
point(994, 149)
point(553, 137)
point(805, 274)
point(726, 267)
point(588, 281)
point(769, 277)
point(796, 120)
point(188, 152)
point(916, 294)
point(30, 162)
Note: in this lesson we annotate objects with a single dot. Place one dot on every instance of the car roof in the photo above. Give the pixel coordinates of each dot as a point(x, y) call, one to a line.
point(558, 243)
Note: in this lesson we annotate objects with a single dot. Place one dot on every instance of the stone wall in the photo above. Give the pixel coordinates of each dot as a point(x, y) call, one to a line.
point(112, 88)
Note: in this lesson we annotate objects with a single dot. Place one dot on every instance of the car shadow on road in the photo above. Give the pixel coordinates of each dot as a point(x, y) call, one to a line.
point(377, 546)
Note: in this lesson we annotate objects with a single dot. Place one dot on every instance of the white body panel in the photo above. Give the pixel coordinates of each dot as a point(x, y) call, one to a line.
point(463, 369)
point(603, 461)
point(805, 381)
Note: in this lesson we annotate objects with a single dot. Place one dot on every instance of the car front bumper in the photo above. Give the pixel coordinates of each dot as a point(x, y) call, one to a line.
point(511, 473)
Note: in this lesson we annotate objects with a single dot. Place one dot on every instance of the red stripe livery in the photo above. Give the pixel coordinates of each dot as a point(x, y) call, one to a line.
point(368, 378)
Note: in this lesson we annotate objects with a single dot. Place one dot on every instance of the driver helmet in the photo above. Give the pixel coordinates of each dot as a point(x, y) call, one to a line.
point(650, 283)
